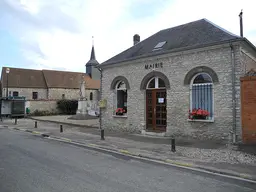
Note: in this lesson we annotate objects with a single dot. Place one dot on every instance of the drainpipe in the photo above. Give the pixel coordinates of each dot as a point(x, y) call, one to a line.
point(233, 95)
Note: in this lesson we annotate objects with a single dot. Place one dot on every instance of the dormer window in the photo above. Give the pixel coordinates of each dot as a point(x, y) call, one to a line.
point(159, 45)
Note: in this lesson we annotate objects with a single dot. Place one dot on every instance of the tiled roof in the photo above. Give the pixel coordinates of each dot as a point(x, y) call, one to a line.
point(29, 78)
point(62, 79)
point(91, 83)
point(198, 33)
point(24, 78)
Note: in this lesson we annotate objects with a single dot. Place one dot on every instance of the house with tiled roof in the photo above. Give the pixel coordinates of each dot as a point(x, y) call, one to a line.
point(182, 81)
point(42, 88)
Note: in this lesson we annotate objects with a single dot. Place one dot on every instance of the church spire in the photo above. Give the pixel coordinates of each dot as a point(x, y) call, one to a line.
point(90, 65)
point(92, 52)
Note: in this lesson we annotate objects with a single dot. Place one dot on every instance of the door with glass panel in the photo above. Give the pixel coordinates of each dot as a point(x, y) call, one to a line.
point(156, 113)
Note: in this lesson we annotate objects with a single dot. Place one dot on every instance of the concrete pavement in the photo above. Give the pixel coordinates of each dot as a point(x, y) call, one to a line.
point(33, 164)
point(65, 119)
point(216, 158)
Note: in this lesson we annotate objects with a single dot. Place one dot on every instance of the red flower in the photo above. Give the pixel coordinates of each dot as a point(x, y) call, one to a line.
point(119, 110)
point(198, 113)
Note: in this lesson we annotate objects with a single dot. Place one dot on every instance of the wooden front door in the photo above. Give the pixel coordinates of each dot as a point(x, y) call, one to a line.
point(156, 109)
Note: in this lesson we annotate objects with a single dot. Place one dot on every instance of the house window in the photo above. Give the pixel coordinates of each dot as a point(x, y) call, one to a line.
point(15, 93)
point(34, 95)
point(201, 95)
point(121, 97)
point(156, 83)
point(91, 96)
point(63, 96)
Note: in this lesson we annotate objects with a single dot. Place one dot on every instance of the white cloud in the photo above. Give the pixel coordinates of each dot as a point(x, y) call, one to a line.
point(57, 34)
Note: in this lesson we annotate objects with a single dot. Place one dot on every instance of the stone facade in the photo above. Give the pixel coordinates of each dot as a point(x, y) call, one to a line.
point(46, 99)
point(56, 93)
point(41, 105)
point(175, 67)
point(95, 94)
point(27, 92)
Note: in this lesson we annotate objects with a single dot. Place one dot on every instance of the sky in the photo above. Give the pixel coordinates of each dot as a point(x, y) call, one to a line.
point(57, 34)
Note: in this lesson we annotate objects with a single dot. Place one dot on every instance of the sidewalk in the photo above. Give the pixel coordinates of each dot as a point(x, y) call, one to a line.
point(215, 157)
point(64, 119)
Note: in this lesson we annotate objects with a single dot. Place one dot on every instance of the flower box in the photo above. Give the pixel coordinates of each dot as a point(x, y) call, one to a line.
point(120, 111)
point(198, 114)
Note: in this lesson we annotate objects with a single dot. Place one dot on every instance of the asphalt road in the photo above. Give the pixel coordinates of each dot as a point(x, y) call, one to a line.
point(29, 163)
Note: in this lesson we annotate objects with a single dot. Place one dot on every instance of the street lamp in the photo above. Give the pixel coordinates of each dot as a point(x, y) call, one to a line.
point(7, 73)
point(101, 129)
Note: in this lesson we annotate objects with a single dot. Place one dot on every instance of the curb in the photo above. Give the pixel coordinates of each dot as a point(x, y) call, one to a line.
point(63, 123)
point(184, 165)
point(179, 164)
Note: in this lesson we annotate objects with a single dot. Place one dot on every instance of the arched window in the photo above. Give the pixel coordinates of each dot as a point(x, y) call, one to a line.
point(121, 97)
point(201, 96)
point(155, 83)
point(91, 96)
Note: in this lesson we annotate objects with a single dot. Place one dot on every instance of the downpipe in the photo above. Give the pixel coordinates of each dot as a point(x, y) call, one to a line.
point(233, 132)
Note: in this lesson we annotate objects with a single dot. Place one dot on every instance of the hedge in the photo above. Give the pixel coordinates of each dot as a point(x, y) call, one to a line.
point(67, 107)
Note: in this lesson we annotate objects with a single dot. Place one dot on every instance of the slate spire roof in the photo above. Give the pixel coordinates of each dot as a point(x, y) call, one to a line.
point(191, 35)
point(92, 60)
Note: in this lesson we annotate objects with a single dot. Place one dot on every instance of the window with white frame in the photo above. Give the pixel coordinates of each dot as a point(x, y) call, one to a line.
point(156, 83)
point(121, 98)
point(201, 97)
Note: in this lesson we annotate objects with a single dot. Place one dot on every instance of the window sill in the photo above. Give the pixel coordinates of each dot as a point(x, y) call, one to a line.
point(202, 120)
point(119, 116)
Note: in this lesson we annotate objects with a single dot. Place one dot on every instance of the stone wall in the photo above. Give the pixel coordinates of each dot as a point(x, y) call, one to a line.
point(95, 94)
point(56, 93)
point(41, 105)
point(27, 92)
point(71, 94)
point(175, 67)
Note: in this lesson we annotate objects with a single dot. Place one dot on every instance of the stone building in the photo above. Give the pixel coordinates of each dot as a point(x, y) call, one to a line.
point(157, 81)
point(42, 88)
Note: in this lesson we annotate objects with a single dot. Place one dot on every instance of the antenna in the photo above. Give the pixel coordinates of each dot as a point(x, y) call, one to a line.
point(92, 41)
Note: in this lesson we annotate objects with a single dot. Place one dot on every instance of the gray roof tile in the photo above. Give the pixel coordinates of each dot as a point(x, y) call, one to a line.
point(197, 33)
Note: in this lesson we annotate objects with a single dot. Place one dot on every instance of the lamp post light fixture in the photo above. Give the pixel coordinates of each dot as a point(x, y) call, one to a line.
point(7, 73)
point(101, 129)
point(100, 98)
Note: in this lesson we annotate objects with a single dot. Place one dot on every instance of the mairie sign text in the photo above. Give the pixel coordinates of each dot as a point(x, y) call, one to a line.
point(154, 66)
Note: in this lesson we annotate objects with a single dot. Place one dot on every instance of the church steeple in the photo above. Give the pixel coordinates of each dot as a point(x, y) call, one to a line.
point(92, 54)
point(92, 60)
point(91, 70)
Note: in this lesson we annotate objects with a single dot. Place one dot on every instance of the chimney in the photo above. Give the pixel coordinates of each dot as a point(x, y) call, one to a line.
point(136, 39)
point(241, 23)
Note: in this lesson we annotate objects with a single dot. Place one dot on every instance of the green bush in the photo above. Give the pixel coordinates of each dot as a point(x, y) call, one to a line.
point(67, 107)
